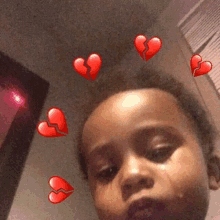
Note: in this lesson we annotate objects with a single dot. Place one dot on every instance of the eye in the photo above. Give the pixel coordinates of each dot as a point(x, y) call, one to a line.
point(107, 173)
point(160, 154)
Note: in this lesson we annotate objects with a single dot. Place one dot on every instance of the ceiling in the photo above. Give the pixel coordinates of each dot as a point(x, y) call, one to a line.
point(84, 27)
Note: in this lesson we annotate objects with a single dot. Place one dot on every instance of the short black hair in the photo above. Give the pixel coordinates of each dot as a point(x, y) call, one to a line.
point(119, 81)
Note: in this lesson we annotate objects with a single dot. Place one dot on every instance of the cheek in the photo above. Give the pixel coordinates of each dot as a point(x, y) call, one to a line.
point(187, 184)
point(107, 199)
point(187, 172)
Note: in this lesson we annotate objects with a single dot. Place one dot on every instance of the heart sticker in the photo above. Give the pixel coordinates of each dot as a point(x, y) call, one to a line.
point(149, 50)
point(57, 183)
point(58, 197)
point(56, 117)
point(199, 67)
point(94, 64)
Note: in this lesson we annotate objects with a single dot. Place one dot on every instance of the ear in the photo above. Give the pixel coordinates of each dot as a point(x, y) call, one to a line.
point(214, 172)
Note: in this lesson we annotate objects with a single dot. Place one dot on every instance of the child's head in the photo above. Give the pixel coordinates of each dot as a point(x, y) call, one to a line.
point(145, 142)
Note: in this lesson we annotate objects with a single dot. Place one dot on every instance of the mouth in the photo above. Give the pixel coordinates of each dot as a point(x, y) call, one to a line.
point(144, 208)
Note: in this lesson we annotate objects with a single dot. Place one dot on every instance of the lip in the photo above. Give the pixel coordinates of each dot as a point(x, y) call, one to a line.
point(143, 207)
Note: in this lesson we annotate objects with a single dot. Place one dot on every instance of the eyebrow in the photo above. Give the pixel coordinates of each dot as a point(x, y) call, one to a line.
point(146, 130)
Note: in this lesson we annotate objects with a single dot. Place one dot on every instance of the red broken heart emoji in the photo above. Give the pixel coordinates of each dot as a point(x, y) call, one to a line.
point(57, 183)
point(56, 117)
point(199, 67)
point(148, 50)
point(91, 70)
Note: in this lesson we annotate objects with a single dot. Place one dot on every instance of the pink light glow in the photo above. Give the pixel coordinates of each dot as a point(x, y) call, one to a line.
point(17, 98)
point(12, 99)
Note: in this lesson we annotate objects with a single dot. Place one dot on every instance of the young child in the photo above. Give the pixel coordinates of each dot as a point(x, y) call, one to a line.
point(146, 146)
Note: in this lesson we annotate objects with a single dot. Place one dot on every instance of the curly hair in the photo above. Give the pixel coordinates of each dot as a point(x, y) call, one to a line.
point(119, 81)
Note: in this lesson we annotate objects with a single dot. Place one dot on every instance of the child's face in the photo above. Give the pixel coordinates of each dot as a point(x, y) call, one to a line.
point(121, 141)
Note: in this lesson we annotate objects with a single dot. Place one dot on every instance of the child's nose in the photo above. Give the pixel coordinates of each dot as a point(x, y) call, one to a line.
point(137, 175)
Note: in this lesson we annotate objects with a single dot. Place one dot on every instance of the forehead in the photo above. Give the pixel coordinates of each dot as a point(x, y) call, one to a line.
point(124, 112)
point(134, 104)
